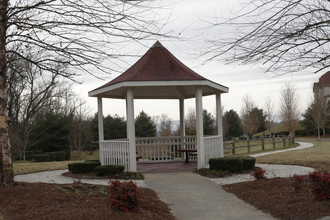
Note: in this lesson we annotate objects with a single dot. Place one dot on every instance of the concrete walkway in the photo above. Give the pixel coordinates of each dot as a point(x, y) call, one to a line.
point(191, 196)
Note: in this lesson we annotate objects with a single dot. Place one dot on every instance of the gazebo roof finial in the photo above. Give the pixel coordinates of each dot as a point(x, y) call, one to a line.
point(157, 44)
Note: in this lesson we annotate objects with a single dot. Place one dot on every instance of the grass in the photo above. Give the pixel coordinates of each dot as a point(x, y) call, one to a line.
point(21, 167)
point(86, 155)
point(317, 157)
point(24, 167)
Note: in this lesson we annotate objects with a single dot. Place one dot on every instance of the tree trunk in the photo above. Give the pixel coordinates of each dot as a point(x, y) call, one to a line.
point(6, 167)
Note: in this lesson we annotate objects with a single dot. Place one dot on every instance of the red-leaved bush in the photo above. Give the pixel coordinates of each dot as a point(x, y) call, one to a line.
point(319, 182)
point(258, 174)
point(297, 182)
point(124, 196)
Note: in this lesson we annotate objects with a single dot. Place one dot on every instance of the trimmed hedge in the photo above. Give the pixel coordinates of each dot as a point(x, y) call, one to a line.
point(30, 153)
point(67, 155)
point(248, 162)
point(92, 160)
point(69, 167)
point(83, 167)
point(57, 156)
point(109, 170)
point(52, 156)
point(230, 164)
point(60, 155)
point(41, 157)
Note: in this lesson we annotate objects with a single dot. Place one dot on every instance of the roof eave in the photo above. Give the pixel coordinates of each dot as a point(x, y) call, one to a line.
point(98, 92)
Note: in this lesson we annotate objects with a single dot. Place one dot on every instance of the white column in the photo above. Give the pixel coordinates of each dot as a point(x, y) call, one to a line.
point(219, 122)
point(199, 128)
point(100, 118)
point(100, 126)
point(182, 128)
point(131, 129)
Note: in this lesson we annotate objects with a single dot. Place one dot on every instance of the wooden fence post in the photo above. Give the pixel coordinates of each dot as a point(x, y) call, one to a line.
point(273, 143)
point(262, 144)
point(283, 142)
point(233, 148)
point(248, 145)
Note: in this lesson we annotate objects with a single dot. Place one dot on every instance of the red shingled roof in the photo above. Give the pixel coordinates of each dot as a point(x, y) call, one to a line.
point(157, 64)
point(323, 81)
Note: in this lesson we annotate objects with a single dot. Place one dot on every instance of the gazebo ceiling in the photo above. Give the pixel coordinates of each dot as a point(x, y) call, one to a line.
point(158, 75)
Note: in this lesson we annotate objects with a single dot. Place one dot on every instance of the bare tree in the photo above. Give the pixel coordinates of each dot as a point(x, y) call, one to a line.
point(165, 124)
point(286, 35)
point(250, 120)
point(80, 35)
point(81, 135)
point(270, 114)
point(190, 122)
point(28, 93)
point(319, 110)
point(289, 108)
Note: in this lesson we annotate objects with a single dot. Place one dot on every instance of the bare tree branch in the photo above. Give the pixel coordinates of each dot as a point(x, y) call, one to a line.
point(284, 35)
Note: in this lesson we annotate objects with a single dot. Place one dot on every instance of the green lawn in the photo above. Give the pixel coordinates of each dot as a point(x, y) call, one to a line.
point(21, 167)
point(317, 157)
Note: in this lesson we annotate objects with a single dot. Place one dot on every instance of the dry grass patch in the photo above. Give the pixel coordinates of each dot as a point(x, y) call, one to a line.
point(21, 167)
point(25, 167)
point(316, 157)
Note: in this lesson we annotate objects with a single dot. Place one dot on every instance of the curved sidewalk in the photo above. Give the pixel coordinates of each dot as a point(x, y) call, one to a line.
point(192, 196)
point(302, 145)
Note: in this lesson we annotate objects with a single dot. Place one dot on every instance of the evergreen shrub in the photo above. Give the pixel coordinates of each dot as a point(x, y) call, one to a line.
point(67, 155)
point(60, 155)
point(109, 170)
point(248, 162)
point(230, 164)
point(83, 167)
point(92, 160)
point(41, 157)
point(51, 156)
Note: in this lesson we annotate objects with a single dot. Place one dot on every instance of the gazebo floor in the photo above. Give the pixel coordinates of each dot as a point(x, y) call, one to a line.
point(166, 167)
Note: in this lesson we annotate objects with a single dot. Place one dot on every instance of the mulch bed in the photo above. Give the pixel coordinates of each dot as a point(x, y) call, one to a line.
point(278, 198)
point(72, 201)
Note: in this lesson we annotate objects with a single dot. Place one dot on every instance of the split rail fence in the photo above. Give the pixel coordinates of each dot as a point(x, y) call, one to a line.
point(232, 147)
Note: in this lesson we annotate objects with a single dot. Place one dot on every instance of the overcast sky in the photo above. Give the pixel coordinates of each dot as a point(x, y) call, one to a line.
point(187, 19)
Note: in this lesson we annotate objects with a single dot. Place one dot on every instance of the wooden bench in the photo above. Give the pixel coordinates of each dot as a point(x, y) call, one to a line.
point(188, 151)
point(193, 154)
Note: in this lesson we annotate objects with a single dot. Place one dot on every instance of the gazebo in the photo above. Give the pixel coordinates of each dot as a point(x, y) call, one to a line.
point(159, 75)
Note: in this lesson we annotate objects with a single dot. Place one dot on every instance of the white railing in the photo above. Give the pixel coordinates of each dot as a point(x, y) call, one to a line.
point(213, 147)
point(158, 149)
point(115, 152)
